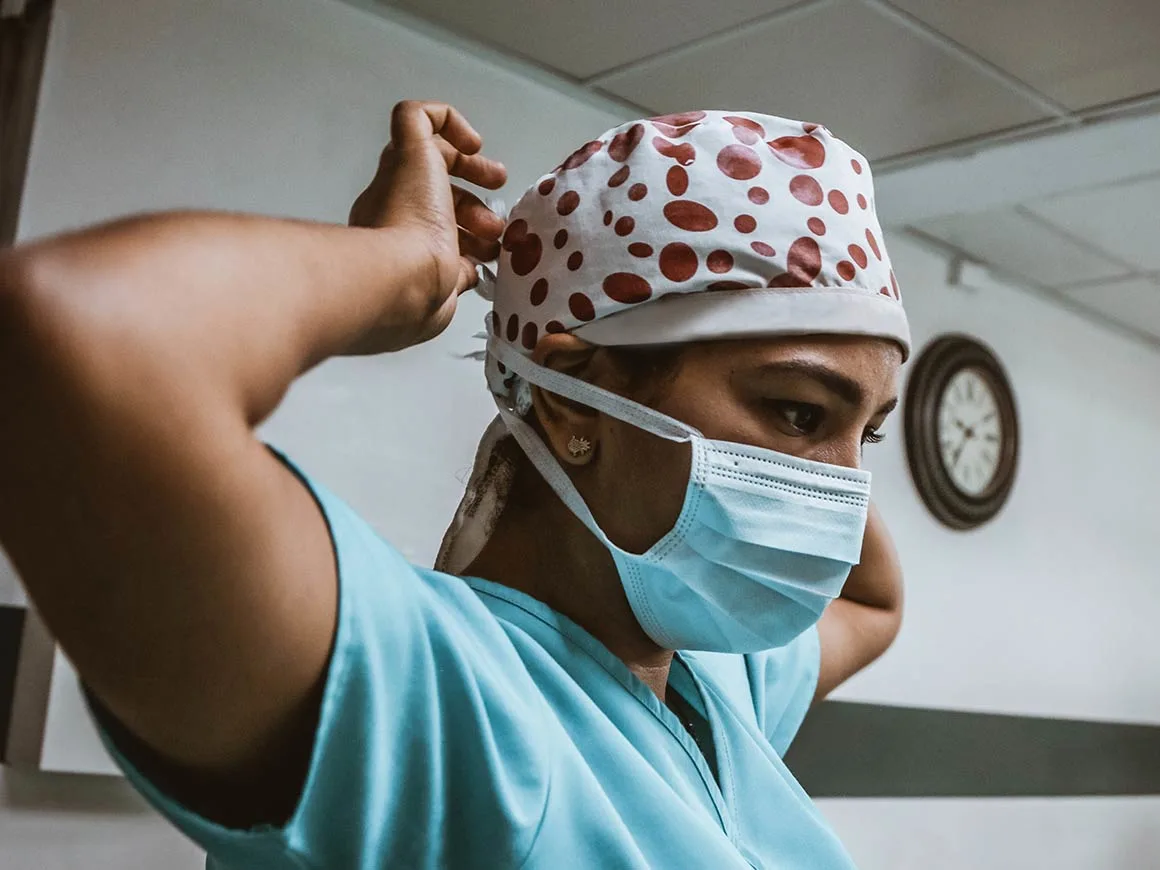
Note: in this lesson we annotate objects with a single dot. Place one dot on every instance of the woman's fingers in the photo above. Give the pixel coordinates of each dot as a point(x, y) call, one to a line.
point(473, 215)
point(475, 168)
point(413, 121)
point(479, 250)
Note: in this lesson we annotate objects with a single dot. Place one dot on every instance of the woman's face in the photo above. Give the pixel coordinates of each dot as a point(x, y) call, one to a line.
point(822, 398)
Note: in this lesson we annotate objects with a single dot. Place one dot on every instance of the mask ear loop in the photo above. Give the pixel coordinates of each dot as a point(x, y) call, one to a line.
point(597, 398)
point(594, 397)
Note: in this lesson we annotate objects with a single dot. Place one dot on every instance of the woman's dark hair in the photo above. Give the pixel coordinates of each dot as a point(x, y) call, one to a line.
point(648, 368)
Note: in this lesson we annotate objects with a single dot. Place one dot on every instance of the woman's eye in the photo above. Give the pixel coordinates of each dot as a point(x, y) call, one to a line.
point(803, 418)
point(872, 436)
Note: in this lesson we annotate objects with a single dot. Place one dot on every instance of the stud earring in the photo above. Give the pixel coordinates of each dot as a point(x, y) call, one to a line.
point(578, 447)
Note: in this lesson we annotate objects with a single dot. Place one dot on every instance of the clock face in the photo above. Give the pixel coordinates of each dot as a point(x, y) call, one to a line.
point(970, 431)
point(962, 432)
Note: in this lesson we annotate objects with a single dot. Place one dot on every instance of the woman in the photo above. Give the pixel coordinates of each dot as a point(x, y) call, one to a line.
point(290, 692)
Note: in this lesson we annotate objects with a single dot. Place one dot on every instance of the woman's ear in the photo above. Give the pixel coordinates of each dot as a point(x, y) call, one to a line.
point(569, 427)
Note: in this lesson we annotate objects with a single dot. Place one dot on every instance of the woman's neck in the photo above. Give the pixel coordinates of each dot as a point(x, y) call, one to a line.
point(540, 548)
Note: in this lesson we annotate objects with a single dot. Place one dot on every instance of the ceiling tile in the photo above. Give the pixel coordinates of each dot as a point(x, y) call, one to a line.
point(1134, 303)
point(1023, 247)
point(1079, 52)
point(586, 37)
point(874, 83)
point(1121, 219)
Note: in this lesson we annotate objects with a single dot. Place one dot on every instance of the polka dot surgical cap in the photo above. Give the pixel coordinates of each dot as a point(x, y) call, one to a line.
point(742, 224)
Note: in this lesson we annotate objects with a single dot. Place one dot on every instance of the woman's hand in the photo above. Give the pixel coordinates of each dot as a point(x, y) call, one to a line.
point(449, 227)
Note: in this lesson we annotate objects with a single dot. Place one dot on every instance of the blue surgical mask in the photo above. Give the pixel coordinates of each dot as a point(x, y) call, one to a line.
point(763, 543)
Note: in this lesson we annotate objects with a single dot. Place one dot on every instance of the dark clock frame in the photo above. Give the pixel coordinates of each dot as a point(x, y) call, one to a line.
point(939, 361)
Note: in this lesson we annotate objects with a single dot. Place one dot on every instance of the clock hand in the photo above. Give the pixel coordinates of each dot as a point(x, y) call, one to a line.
point(959, 452)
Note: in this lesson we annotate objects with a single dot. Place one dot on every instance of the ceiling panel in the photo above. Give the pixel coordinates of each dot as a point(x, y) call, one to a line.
point(585, 37)
point(1023, 247)
point(871, 81)
point(1134, 303)
point(1081, 53)
point(1123, 219)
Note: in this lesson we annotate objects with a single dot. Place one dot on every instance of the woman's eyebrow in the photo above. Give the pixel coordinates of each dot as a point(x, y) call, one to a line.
point(845, 388)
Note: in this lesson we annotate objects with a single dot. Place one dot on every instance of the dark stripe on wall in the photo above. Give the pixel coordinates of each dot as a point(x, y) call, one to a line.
point(11, 629)
point(23, 43)
point(869, 750)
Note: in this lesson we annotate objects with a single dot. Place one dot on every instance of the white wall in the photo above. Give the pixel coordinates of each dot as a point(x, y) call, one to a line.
point(281, 106)
point(1049, 610)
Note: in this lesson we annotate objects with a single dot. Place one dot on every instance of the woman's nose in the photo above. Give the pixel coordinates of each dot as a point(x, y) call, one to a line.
point(844, 451)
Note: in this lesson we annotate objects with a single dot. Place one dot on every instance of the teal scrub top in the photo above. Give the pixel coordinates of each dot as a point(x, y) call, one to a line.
point(467, 725)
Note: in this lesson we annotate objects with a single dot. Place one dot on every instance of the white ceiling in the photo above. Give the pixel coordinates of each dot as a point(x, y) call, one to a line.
point(1054, 215)
point(897, 78)
point(1015, 133)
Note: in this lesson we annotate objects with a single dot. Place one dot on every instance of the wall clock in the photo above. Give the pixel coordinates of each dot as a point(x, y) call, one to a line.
point(962, 432)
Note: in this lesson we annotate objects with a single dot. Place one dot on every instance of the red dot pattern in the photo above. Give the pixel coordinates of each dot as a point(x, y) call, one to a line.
point(690, 203)
point(803, 264)
point(683, 153)
point(801, 152)
point(567, 203)
point(623, 144)
point(746, 136)
point(749, 124)
point(679, 119)
point(685, 214)
point(838, 202)
point(719, 262)
point(739, 162)
point(581, 307)
point(806, 190)
point(678, 262)
point(626, 288)
point(675, 126)
point(525, 247)
point(581, 155)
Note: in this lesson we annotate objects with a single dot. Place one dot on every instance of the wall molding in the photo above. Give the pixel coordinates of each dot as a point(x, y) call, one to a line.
point(848, 749)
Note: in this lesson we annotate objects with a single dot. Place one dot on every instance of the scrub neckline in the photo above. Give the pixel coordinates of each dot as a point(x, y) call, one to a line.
point(637, 687)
